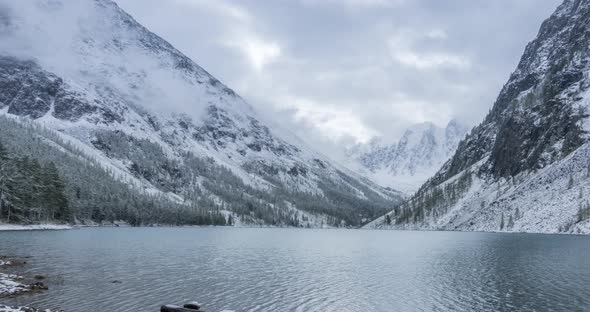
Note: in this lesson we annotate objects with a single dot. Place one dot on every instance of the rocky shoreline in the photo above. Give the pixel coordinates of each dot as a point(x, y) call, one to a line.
point(20, 309)
point(12, 284)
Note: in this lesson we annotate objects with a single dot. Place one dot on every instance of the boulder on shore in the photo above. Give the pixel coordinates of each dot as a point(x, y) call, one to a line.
point(192, 305)
point(174, 308)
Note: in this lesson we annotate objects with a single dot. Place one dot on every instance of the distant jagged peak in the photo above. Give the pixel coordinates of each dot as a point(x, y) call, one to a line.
point(529, 156)
point(414, 134)
point(406, 164)
point(429, 131)
point(454, 123)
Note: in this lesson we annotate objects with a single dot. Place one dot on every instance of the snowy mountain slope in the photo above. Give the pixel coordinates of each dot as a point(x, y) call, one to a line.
point(524, 168)
point(406, 165)
point(88, 70)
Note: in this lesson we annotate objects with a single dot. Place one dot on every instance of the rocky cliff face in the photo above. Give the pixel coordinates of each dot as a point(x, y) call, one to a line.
point(524, 167)
point(124, 95)
point(406, 165)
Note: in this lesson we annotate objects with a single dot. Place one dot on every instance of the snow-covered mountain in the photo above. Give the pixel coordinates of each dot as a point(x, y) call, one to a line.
point(407, 164)
point(151, 115)
point(526, 166)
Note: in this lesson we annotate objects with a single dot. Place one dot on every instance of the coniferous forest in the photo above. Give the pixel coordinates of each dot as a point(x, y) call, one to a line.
point(31, 192)
point(44, 179)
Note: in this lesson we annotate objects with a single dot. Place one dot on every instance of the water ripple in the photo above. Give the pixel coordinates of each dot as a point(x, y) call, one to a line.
point(264, 270)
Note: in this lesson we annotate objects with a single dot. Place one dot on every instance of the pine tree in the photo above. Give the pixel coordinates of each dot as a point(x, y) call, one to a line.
point(502, 222)
point(3, 180)
point(583, 212)
point(510, 222)
point(36, 189)
point(54, 194)
point(388, 219)
point(18, 190)
point(3, 153)
point(570, 183)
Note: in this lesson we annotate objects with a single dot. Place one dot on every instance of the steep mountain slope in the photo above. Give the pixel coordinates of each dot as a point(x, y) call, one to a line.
point(30, 193)
point(160, 122)
point(525, 167)
point(406, 165)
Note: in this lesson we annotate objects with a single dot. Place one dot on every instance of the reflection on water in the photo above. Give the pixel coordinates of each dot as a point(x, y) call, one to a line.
point(304, 270)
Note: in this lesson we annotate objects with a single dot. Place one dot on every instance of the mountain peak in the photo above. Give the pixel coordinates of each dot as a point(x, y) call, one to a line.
point(163, 124)
point(78, 39)
point(455, 124)
point(421, 150)
point(529, 156)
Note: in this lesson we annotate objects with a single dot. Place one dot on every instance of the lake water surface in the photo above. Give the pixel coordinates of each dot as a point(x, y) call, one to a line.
point(303, 270)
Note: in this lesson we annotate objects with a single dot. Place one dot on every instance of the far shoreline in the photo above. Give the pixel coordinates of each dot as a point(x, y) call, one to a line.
point(62, 227)
point(34, 227)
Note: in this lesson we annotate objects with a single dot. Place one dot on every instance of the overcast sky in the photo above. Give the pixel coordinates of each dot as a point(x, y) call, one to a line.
point(344, 71)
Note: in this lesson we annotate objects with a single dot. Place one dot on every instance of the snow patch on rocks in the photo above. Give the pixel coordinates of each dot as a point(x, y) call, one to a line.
point(33, 227)
point(4, 308)
point(10, 285)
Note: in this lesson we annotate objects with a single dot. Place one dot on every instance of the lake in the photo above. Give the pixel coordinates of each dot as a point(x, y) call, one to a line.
point(303, 270)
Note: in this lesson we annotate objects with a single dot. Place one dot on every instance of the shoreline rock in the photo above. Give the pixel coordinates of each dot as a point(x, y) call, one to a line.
point(4, 308)
point(12, 285)
point(189, 307)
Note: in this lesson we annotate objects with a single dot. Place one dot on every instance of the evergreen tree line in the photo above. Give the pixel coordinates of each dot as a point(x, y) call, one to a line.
point(507, 225)
point(583, 212)
point(199, 179)
point(196, 179)
point(337, 201)
point(91, 192)
point(31, 192)
point(433, 203)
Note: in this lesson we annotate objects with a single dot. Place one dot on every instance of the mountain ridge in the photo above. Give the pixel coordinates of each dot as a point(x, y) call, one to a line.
point(415, 157)
point(120, 94)
point(537, 128)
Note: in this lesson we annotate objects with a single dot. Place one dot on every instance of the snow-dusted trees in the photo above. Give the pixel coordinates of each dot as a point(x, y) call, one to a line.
point(4, 209)
point(583, 212)
point(435, 201)
point(570, 182)
point(30, 192)
point(202, 179)
point(89, 191)
point(53, 193)
point(510, 222)
point(44, 178)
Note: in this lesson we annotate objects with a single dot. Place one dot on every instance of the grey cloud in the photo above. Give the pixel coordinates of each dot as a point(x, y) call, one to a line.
point(378, 65)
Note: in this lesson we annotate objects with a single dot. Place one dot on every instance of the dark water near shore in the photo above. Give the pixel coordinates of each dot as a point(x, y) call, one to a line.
point(303, 270)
